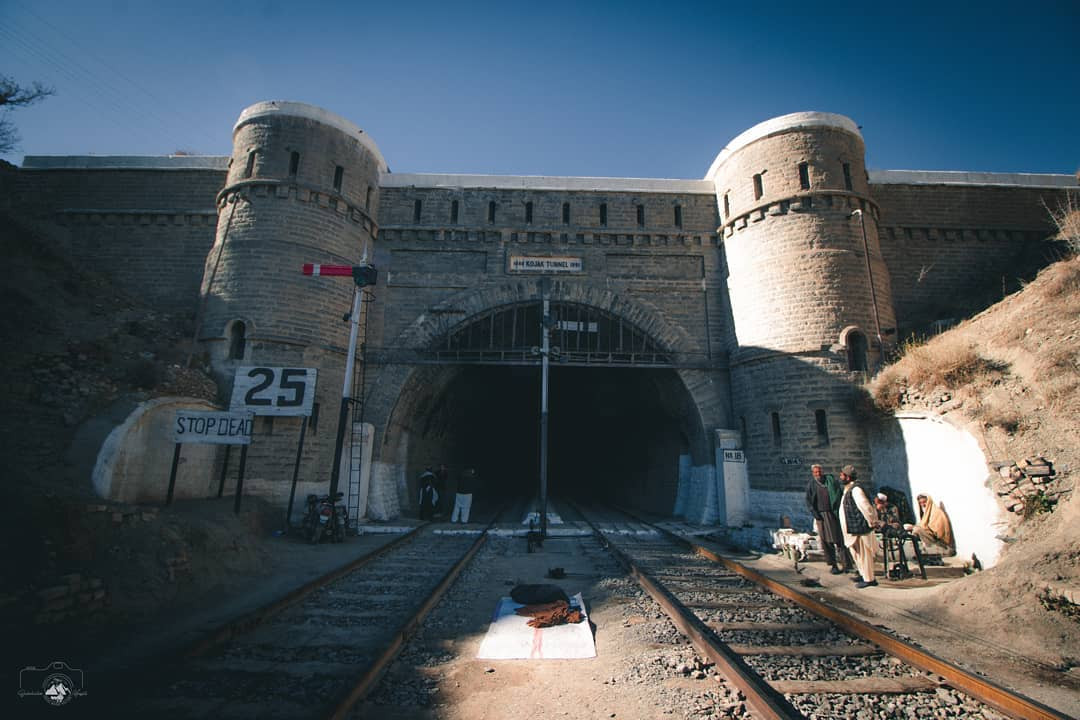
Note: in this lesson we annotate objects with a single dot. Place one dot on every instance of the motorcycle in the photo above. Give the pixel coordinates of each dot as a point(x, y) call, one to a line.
point(325, 518)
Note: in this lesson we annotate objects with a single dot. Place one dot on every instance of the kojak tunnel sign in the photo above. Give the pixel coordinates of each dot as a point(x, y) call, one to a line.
point(542, 264)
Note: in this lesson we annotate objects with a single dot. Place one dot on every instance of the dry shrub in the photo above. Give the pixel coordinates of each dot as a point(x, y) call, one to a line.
point(1067, 219)
point(887, 389)
point(947, 362)
point(944, 362)
point(1007, 418)
point(1062, 279)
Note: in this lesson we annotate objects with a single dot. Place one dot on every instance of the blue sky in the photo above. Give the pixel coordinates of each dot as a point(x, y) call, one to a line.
point(549, 88)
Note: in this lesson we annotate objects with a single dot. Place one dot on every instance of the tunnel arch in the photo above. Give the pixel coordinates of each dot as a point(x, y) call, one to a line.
point(629, 424)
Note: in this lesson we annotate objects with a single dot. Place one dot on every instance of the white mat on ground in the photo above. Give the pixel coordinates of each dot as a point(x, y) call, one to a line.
point(510, 636)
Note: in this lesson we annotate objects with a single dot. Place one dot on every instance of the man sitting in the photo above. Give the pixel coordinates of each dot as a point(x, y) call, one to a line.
point(934, 527)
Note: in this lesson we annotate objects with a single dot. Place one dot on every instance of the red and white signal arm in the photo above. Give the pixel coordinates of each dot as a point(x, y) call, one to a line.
point(263, 390)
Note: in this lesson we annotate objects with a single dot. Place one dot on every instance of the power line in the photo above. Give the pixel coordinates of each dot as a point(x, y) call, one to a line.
point(81, 87)
point(157, 102)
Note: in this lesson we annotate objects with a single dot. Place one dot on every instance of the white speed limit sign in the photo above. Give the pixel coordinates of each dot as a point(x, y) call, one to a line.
point(273, 390)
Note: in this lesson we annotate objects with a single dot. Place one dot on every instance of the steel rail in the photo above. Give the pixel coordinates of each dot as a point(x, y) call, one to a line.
point(1011, 703)
point(760, 696)
point(367, 682)
point(252, 620)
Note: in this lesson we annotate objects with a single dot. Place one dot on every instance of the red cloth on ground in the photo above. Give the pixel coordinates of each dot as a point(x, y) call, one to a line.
point(550, 614)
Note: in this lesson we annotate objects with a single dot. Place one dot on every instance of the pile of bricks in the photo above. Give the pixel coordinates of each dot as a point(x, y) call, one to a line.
point(72, 597)
point(1023, 483)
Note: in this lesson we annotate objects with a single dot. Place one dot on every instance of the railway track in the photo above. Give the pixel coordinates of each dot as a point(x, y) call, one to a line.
point(791, 655)
point(314, 653)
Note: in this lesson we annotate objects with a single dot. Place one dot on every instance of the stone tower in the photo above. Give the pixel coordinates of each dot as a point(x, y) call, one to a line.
point(809, 292)
point(302, 187)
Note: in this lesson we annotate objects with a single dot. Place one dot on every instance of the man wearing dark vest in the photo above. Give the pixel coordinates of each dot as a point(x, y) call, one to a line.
point(857, 520)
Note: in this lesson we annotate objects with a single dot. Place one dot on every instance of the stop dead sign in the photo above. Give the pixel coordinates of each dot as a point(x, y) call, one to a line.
point(218, 428)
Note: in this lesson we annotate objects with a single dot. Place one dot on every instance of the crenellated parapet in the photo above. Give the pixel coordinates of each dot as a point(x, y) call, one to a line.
point(800, 235)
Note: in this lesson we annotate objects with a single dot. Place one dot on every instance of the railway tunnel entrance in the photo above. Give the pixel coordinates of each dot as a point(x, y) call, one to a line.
point(622, 423)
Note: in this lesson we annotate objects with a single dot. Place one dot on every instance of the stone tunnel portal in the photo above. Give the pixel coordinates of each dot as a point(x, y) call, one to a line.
point(621, 420)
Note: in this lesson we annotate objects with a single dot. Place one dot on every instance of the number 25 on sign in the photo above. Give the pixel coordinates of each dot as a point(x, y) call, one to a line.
point(273, 390)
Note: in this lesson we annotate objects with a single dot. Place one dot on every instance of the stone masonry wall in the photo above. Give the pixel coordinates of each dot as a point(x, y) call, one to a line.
point(795, 388)
point(273, 221)
point(148, 229)
point(947, 246)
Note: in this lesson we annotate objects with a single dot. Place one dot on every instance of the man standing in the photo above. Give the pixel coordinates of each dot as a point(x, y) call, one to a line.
point(857, 519)
point(823, 495)
point(429, 496)
point(442, 481)
point(463, 498)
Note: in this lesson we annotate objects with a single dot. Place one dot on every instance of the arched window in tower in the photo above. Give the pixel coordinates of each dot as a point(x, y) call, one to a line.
point(847, 176)
point(566, 213)
point(418, 206)
point(367, 201)
point(454, 211)
point(294, 163)
point(603, 213)
point(491, 211)
point(237, 340)
point(339, 175)
point(678, 216)
point(528, 211)
point(821, 422)
point(804, 176)
point(249, 169)
point(776, 429)
point(759, 189)
point(856, 351)
point(727, 204)
point(641, 216)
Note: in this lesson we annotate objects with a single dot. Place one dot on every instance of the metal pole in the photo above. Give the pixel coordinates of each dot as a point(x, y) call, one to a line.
point(544, 351)
point(240, 479)
point(296, 471)
point(172, 474)
point(224, 469)
point(346, 390)
point(873, 293)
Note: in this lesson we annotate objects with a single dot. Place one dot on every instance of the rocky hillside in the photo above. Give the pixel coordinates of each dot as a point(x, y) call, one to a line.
point(72, 347)
point(1011, 376)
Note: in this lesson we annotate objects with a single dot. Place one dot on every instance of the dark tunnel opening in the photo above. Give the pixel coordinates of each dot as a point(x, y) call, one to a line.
point(615, 434)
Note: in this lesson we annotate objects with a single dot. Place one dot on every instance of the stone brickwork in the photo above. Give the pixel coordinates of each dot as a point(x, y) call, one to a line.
point(149, 226)
point(766, 284)
point(944, 242)
point(800, 285)
point(302, 188)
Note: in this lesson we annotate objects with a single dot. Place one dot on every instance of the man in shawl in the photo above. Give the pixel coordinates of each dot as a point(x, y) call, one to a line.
point(429, 496)
point(857, 519)
point(823, 495)
point(934, 527)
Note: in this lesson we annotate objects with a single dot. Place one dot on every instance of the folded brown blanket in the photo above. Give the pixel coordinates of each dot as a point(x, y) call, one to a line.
point(549, 614)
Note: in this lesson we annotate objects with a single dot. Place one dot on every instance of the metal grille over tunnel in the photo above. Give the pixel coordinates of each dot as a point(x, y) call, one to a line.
point(583, 335)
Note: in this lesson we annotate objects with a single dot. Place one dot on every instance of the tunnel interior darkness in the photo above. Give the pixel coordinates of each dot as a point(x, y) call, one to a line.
point(615, 434)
